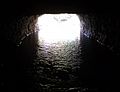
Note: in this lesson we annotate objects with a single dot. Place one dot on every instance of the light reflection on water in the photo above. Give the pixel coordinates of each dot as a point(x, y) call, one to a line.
point(56, 64)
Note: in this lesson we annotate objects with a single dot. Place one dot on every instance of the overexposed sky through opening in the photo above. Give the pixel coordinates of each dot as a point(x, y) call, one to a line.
point(55, 28)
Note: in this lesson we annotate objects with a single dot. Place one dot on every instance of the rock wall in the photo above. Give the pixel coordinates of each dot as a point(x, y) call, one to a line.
point(15, 29)
point(104, 28)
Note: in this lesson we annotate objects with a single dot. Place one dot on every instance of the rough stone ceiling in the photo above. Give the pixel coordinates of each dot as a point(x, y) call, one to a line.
point(54, 6)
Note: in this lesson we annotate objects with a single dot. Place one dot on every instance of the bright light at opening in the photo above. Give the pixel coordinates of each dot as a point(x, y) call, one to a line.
point(55, 28)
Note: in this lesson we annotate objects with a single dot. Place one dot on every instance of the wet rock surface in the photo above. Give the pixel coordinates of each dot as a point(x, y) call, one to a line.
point(103, 28)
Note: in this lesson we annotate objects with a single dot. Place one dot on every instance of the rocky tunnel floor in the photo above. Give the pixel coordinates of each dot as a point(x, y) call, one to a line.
point(78, 66)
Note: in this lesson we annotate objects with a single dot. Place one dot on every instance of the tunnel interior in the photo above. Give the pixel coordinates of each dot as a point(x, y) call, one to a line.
point(89, 64)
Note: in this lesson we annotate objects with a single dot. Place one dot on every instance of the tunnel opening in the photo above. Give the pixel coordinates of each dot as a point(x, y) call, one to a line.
point(55, 28)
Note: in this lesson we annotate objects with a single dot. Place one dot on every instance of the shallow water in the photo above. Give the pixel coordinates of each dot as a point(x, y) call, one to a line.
point(77, 66)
